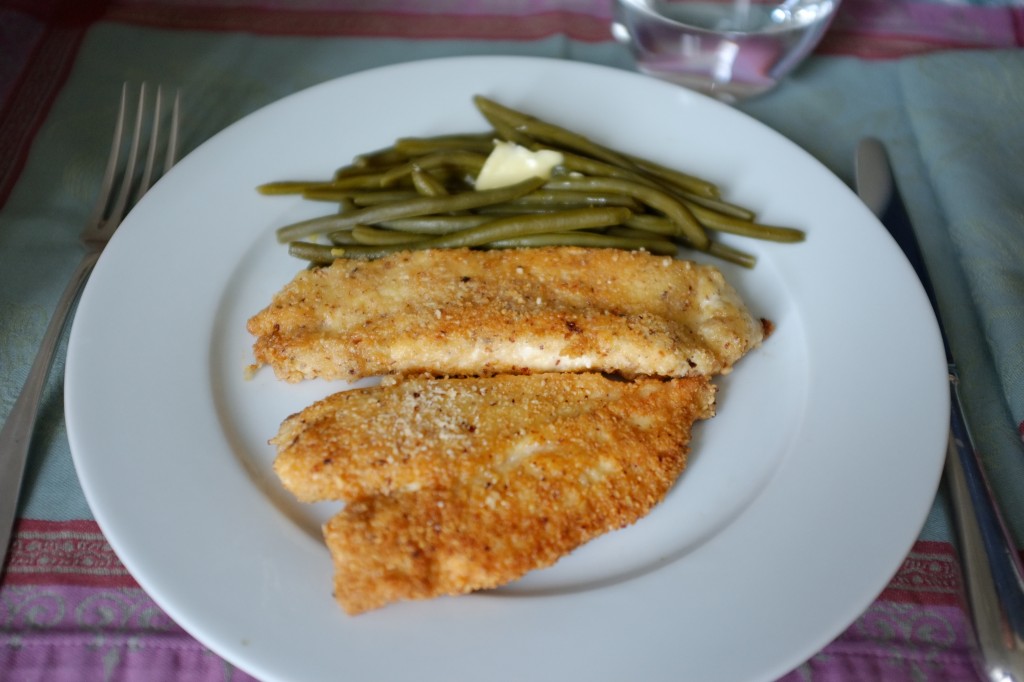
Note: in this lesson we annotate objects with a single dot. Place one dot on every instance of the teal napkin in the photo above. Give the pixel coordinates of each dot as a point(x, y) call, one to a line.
point(968, 117)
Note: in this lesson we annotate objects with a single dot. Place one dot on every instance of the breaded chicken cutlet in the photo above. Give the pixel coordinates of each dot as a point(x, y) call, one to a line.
point(452, 312)
point(456, 485)
point(430, 433)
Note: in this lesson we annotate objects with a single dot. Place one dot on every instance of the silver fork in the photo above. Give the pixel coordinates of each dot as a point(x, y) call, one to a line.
point(110, 209)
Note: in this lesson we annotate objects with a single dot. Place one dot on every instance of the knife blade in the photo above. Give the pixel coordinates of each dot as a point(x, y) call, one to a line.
point(993, 575)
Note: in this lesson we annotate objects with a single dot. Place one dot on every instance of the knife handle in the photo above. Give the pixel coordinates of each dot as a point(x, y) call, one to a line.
point(993, 576)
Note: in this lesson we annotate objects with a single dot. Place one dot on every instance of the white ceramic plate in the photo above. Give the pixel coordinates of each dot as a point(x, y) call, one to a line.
point(803, 496)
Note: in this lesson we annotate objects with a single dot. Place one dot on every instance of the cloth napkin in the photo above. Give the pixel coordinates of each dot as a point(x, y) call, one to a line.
point(972, 146)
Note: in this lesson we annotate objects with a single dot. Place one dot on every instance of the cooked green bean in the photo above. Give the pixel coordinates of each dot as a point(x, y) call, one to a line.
point(367, 252)
point(679, 214)
point(408, 208)
point(626, 230)
point(717, 205)
point(587, 166)
point(290, 186)
point(731, 255)
point(510, 133)
point(547, 132)
point(719, 223)
point(328, 193)
point(383, 196)
point(436, 224)
point(371, 236)
point(521, 209)
point(481, 143)
point(314, 253)
point(364, 181)
point(653, 223)
point(506, 227)
point(576, 163)
point(332, 190)
point(682, 180)
point(519, 226)
point(499, 229)
point(470, 161)
point(716, 249)
point(745, 228)
point(343, 238)
point(387, 157)
point(324, 254)
point(427, 185)
point(575, 198)
point(352, 170)
point(590, 240)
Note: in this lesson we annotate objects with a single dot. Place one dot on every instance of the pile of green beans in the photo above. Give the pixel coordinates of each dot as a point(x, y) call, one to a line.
point(419, 194)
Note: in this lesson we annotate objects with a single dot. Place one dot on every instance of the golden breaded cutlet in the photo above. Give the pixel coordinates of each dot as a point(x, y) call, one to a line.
point(451, 312)
point(455, 485)
point(427, 433)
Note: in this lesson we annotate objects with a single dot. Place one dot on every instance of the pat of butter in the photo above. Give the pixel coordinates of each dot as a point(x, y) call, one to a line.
point(509, 163)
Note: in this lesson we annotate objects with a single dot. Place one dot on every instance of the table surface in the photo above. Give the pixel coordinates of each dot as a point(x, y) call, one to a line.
point(941, 83)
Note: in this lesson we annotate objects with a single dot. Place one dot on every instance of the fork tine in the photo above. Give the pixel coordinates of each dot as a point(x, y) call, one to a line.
point(172, 138)
point(137, 174)
point(118, 211)
point(171, 145)
point(107, 184)
point(154, 139)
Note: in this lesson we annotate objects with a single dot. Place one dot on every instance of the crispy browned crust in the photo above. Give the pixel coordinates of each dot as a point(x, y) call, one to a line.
point(423, 432)
point(587, 455)
point(453, 312)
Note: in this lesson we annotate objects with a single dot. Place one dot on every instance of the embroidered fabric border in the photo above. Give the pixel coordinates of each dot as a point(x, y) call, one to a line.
point(69, 609)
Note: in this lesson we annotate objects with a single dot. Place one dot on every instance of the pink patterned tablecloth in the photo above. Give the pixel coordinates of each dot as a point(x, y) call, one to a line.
point(72, 612)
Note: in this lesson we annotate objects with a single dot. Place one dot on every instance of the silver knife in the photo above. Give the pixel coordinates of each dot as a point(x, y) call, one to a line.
point(993, 576)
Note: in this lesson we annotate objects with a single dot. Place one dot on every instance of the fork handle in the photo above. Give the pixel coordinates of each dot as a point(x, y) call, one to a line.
point(16, 436)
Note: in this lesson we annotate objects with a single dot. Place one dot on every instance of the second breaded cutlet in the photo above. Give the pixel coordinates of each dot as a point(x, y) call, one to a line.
point(428, 433)
point(453, 312)
point(455, 485)
point(531, 500)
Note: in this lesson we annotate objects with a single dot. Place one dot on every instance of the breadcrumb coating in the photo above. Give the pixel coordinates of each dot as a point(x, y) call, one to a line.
point(461, 312)
point(455, 485)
